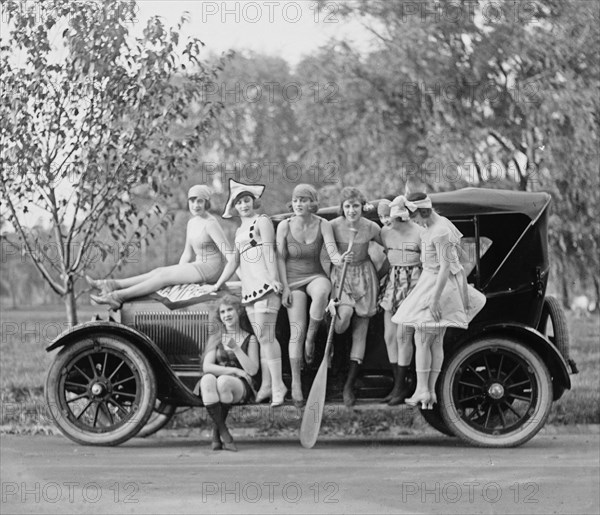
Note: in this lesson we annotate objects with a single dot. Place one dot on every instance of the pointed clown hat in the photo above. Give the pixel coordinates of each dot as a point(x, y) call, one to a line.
point(238, 190)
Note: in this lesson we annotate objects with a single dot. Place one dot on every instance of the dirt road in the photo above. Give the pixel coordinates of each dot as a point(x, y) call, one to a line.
point(414, 474)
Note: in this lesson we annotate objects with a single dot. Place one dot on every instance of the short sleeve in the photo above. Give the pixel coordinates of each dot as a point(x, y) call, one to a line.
point(446, 242)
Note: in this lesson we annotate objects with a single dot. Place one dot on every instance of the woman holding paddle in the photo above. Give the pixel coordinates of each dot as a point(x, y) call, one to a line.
point(358, 301)
point(300, 240)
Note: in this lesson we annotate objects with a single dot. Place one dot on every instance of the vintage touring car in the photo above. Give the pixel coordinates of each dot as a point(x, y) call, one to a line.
point(125, 376)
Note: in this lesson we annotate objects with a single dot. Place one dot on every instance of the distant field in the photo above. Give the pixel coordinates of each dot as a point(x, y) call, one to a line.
point(23, 365)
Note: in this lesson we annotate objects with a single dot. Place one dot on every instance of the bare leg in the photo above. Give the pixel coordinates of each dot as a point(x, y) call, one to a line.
point(161, 278)
point(297, 316)
point(360, 325)
point(389, 335)
point(343, 318)
point(318, 290)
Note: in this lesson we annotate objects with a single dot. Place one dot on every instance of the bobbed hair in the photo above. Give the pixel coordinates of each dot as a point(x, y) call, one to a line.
point(425, 212)
point(351, 193)
point(255, 201)
point(207, 204)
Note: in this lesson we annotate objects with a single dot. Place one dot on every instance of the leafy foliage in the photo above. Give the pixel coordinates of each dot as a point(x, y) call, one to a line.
point(89, 122)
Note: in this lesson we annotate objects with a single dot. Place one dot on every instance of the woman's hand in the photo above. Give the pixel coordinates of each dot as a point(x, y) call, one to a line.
point(277, 286)
point(231, 344)
point(436, 309)
point(211, 288)
point(242, 374)
point(332, 306)
point(347, 257)
point(286, 297)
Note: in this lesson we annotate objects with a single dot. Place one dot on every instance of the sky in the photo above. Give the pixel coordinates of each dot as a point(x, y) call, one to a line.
point(290, 29)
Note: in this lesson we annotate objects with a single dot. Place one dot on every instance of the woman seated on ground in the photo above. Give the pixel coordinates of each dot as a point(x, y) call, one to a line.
point(202, 260)
point(230, 364)
point(299, 243)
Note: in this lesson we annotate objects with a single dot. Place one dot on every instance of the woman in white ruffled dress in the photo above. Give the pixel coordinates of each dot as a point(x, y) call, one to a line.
point(441, 299)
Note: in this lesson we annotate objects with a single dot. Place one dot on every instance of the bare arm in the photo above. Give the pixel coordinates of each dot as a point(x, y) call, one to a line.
point(233, 261)
point(282, 230)
point(329, 241)
point(250, 361)
point(210, 367)
point(215, 231)
point(188, 252)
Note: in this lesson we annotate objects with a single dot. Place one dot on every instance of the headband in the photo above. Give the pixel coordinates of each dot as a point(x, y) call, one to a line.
point(306, 190)
point(419, 204)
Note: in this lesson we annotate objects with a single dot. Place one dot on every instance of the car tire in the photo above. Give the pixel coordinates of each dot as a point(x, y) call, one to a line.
point(100, 390)
point(434, 418)
point(553, 312)
point(496, 392)
point(162, 414)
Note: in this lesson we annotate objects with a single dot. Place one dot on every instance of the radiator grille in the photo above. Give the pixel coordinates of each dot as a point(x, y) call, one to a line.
point(181, 336)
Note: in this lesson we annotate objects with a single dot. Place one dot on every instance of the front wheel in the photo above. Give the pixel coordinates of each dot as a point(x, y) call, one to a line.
point(100, 390)
point(163, 414)
point(495, 393)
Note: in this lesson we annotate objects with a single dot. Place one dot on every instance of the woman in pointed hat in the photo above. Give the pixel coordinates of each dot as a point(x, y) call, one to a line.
point(202, 261)
point(255, 255)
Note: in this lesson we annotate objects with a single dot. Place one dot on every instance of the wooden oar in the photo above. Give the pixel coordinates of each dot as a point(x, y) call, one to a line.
point(313, 411)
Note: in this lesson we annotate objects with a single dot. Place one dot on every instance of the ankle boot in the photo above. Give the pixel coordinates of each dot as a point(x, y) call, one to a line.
point(264, 392)
point(348, 393)
point(216, 413)
point(216, 444)
point(421, 395)
point(401, 388)
point(389, 396)
point(227, 445)
point(309, 342)
point(296, 366)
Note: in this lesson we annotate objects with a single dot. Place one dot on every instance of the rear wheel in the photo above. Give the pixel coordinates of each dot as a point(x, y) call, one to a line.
point(434, 418)
point(160, 417)
point(495, 393)
point(100, 390)
point(553, 325)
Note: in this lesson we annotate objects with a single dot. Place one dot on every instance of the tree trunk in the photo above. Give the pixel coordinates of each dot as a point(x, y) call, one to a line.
point(564, 283)
point(71, 307)
point(596, 293)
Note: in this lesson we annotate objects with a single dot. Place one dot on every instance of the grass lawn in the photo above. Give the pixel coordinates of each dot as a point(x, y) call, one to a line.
point(24, 361)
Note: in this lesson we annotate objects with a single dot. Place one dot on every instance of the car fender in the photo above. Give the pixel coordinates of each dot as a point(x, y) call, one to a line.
point(170, 388)
point(538, 342)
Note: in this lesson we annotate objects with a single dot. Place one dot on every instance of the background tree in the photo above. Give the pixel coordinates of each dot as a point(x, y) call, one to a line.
point(87, 123)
